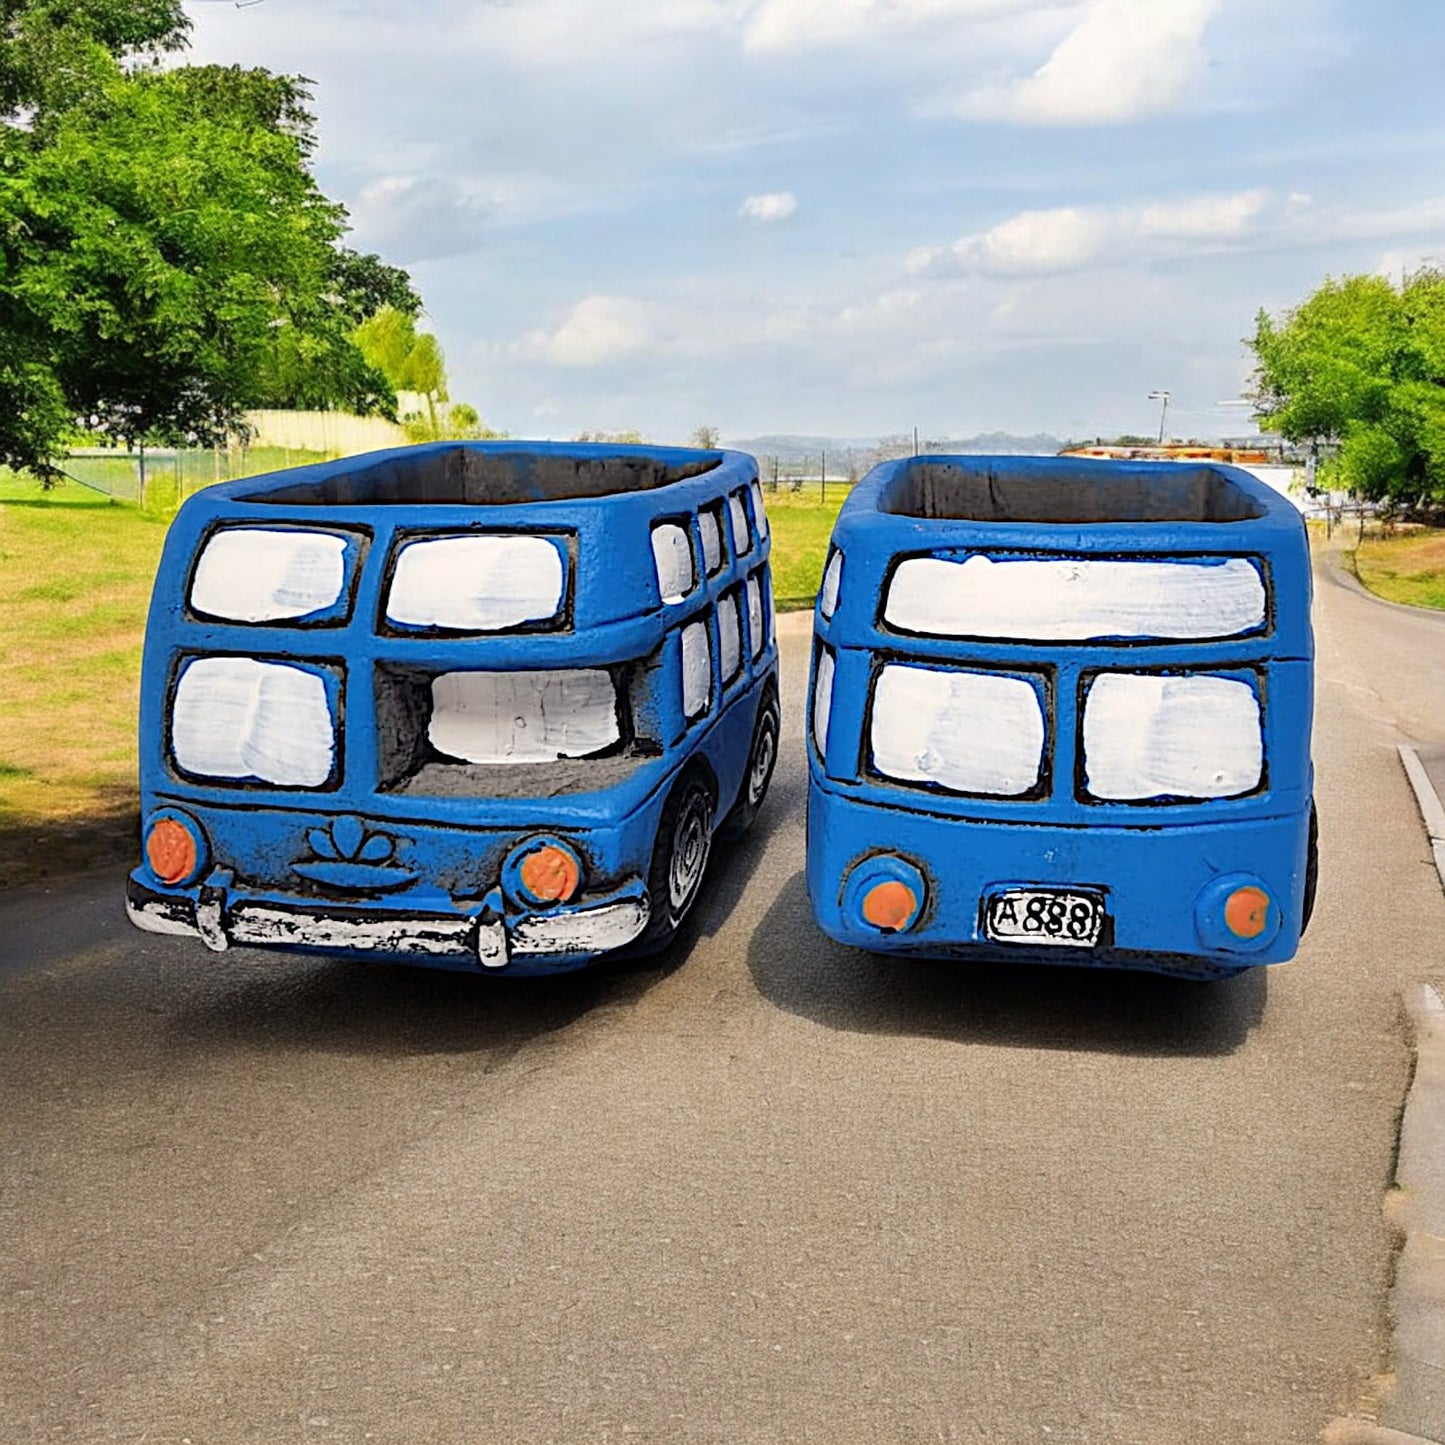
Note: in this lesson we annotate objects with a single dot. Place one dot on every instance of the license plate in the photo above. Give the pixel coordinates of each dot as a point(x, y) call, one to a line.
point(1046, 916)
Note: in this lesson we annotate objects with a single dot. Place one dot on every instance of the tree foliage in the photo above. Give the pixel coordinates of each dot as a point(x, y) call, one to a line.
point(52, 52)
point(1360, 364)
point(167, 259)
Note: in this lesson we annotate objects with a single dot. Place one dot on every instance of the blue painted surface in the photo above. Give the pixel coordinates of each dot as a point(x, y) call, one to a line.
point(1156, 864)
point(355, 850)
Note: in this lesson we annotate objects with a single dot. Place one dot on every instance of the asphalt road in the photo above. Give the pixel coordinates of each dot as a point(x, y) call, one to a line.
point(771, 1190)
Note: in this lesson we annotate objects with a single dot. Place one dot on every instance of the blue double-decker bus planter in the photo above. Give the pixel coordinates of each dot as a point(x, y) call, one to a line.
point(1061, 711)
point(471, 705)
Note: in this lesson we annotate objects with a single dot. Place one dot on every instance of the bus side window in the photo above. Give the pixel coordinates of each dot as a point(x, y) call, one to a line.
point(757, 620)
point(730, 639)
point(673, 559)
point(696, 670)
point(714, 546)
point(760, 515)
point(738, 513)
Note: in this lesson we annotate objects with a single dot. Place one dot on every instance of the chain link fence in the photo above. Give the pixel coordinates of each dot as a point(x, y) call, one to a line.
point(159, 479)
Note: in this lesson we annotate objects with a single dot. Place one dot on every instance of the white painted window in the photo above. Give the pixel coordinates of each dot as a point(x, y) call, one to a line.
point(832, 583)
point(235, 717)
point(729, 636)
point(672, 555)
point(1189, 737)
point(822, 701)
point(476, 584)
point(969, 732)
point(257, 574)
point(709, 522)
point(760, 515)
point(696, 670)
point(742, 538)
point(1073, 599)
point(523, 717)
point(756, 634)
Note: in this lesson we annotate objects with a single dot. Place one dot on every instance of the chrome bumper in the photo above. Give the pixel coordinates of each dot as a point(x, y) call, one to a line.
point(220, 917)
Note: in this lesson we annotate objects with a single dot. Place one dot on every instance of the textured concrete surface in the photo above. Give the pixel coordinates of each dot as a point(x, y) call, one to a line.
point(769, 1190)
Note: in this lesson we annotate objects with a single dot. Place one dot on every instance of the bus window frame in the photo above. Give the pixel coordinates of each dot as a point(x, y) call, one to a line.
point(1265, 631)
point(562, 621)
point(867, 772)
point(358, 540)
point(1256, 673)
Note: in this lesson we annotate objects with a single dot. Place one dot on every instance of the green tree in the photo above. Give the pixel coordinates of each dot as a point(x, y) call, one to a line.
point(52, 52)
point(409, 359)
point(705, 437)
point(1360, 364)
point(166, 257)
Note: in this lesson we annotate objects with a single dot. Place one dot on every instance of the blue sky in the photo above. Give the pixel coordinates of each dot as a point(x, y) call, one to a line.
point(853, 217)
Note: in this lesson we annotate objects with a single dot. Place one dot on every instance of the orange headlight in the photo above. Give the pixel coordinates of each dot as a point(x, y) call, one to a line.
point(171, 851)
point(1246, 912)
point(550, 874)
point(890, 905)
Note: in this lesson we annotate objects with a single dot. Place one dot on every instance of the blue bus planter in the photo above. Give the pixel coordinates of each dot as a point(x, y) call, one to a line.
point(1060, 712)
point(470, 705)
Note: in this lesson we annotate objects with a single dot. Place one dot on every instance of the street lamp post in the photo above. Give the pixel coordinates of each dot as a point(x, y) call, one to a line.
point(1162, 397)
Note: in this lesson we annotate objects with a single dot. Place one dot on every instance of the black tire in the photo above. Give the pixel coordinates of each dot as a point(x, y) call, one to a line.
point(679, 858)
point(1312, 870)
point(762, 758)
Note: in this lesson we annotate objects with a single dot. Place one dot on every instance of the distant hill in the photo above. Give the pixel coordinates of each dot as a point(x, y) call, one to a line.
point(794, 451)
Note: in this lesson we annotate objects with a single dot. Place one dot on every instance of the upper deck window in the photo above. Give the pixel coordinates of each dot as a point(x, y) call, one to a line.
point(968, 732)
point(832, 585)
point(672, 557)
point(1047, 491)
point(760, 514)
point(742, 537)
point(714, 552)
point(1075, 599)
point(477, 584)
point(259, 574)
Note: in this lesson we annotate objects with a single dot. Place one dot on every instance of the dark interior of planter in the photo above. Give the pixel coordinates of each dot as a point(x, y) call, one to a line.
point(471, 477)
point(1049, 491)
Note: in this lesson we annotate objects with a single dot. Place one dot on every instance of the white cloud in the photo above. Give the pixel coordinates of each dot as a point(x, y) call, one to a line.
point(1205, 216)
point(598, 329)
point(784, 25)
point(774, 206)
point(1126, 59)
point(417, 218)
point(1062, 239)
point(1074, 238)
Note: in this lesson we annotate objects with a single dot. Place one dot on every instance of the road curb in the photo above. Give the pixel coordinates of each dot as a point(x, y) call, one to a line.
point(1413, 1410)
point(1431, 810)
point(1361, 1432)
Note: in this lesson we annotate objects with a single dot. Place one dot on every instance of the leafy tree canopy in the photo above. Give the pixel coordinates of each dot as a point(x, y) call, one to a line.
point(411, 360)
point(166, 257)
point(1361, 364)
point(52, 51)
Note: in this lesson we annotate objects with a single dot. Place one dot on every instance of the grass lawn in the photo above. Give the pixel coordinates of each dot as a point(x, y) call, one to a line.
point(801, 523)
point(77, 572)
point(76, 569)
point(1409, 568)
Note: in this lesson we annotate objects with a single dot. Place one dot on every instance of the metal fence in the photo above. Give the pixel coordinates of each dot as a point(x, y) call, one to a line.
point(161, 478)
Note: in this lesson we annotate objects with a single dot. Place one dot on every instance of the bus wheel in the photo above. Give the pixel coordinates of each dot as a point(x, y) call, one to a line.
point(679, 857)
point(1312, 870)
point(762, 756)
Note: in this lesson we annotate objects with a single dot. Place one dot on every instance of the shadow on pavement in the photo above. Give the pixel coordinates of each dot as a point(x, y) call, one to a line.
point(273, 1000)
point(1026, 1005)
